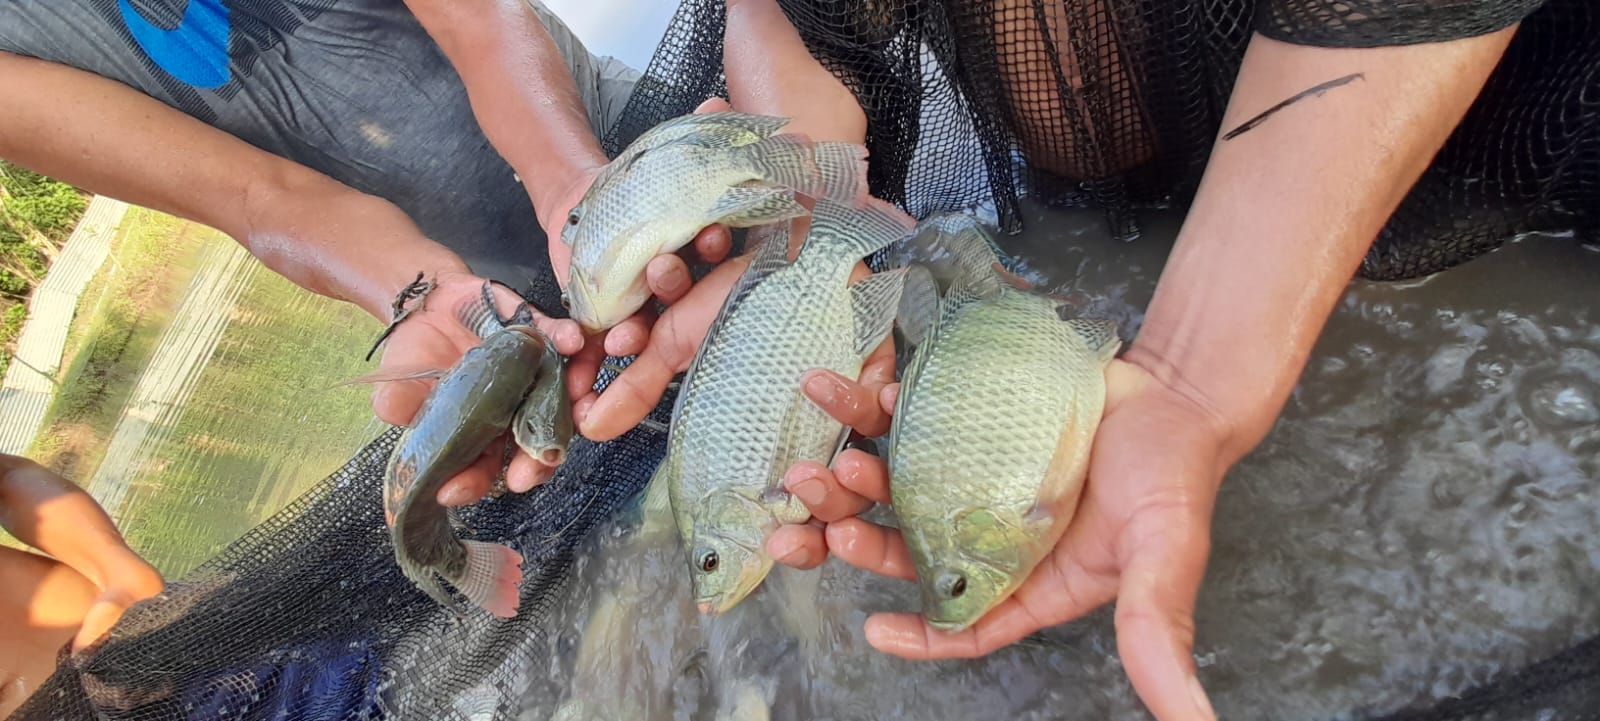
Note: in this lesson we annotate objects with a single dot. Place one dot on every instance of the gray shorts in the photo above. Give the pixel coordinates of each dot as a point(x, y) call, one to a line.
point(604, 82)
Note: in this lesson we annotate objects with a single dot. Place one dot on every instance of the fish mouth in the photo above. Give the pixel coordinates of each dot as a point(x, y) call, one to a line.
point(946, 625)
point(552, 456)
point(713, 606)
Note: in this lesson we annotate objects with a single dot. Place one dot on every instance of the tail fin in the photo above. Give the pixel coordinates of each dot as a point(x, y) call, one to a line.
point(842, 231)
point(491, 578)
point(828, 170)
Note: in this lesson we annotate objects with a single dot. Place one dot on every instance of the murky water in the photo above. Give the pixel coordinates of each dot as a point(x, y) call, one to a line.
point(1425, 514)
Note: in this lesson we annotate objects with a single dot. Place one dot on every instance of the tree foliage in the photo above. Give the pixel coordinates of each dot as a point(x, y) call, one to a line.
point(36, 216)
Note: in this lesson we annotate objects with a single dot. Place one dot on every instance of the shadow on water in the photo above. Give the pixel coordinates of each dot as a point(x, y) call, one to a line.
point(1423, 517)
point(234, 415)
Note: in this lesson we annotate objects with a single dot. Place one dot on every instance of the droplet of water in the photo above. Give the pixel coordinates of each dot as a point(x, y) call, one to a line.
point(1560, 401)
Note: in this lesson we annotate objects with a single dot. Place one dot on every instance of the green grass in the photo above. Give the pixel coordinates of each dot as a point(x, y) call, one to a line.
point(261, 422)
point(260, 426)
point(120, 317)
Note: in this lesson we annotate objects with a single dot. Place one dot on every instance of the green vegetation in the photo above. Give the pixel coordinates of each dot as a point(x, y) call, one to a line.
point(120, 318)
point(261, 424)
point(258, 424)
point(36, 216)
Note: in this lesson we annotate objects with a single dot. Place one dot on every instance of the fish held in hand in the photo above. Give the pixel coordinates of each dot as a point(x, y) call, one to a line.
point(991, 432)
point(680, 177)
point(741, 420)
point(473, 404)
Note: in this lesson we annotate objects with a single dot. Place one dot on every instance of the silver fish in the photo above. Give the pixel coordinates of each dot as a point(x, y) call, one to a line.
point(741, 420)
point(990, 438)
point(684, 175)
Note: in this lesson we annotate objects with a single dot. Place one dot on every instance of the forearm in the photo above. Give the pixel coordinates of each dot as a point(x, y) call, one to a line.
point(54, 515)
point(1287, 209)
point(522, 94)
point(107, 138)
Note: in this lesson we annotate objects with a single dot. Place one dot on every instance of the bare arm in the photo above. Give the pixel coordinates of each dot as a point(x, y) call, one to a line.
point(523, 96)
point(108, 138)
point(1288, 208)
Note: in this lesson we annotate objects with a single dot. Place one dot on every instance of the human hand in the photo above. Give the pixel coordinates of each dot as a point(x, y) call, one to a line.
point(1140, 536)
point(667, 275)
point(128, 579)
point(432, 337)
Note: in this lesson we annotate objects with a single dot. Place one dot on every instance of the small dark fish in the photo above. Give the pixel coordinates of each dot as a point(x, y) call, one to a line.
point(472, 405)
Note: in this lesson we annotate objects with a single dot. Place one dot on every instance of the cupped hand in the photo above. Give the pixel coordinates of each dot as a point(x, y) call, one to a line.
point(129, 580)
point(433, 338)
point(667, 275)
point(1140, 537)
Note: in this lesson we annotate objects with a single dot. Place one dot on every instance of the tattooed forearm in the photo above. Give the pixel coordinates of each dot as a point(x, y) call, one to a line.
point(1317, 89)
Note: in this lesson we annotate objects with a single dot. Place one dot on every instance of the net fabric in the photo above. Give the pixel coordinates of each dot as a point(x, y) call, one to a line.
point(971, 104)
point(308, 616)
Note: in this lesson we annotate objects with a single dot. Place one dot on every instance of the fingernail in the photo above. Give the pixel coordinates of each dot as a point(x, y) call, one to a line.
point(1201, 703)
point(673, 281)
point(793, 558)
point(810, 489)
point(824, 388)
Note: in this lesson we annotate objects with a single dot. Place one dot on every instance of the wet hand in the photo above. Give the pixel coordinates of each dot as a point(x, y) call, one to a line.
point(129, 580)
point(666, 275)
point(432, 337)
point(1140, 537)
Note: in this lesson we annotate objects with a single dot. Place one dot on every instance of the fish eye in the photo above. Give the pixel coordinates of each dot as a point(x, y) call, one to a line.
point(573, 218)
point(952, 585)
point(566, 301)
point(708, 561)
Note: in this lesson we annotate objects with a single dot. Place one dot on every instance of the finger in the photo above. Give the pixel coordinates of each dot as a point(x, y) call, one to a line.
point(472, 484)
point(851, 403)
point(908, 635)
point(583, 370)
point(565, 334)
point(96, 623)
point(862, 474)
point(631, 335)
point(714, 243)
point(634, 392)
point(1056, 592)
point(803, 546)
point(525, 473)
point(713, 104)
point(668, 277)
point(870, 547)
point(397, 402)
point(817, 487)
point(888, 397)
point(1164, 558)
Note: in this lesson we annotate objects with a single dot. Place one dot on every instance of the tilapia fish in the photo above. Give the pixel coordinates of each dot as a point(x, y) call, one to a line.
point(989, 444)
point(474, 403)
point(741, 421)
point(684, 175)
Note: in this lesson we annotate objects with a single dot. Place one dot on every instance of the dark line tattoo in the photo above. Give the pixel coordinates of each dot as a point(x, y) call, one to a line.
point(1297, 97)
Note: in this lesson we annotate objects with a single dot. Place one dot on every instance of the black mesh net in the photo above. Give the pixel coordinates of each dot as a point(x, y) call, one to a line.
point(971, 104)
point(1114, 104)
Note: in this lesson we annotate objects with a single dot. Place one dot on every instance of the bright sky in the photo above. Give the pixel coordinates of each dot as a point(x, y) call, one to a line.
point(625, 29)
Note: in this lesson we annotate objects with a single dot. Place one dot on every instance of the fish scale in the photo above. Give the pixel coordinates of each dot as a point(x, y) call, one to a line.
point(685, 175)
point(741, 420)
point(991, 434)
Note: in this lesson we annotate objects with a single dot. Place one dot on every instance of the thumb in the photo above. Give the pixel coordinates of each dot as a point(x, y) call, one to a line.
point(1164, 556)
point(713, 104)
point(97, 622)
